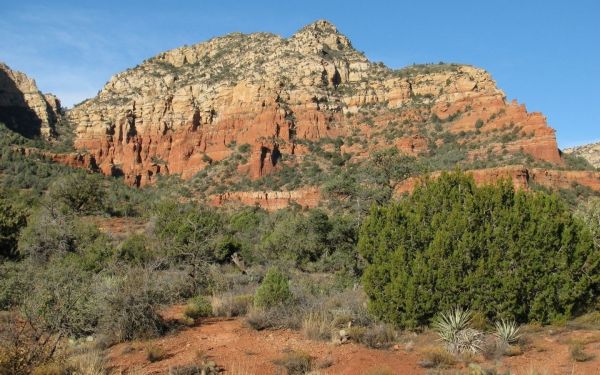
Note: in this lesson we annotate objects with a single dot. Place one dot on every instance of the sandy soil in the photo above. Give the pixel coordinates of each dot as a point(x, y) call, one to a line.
point(240, 350)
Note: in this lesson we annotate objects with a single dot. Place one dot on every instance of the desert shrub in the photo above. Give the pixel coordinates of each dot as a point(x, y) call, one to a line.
point(134, 250)
point(13, 281)
point(317, 326)
point(90, 362)
point(590, 320)
point(589, 212)
point(12, 220)
point(189, 234)
point(198, 307)
point(130, 306)
point(155, 353)
point(479, 321)
point(437, 357)
point(93, 249)
point(185, 370)
point(393, 166)
point(578, 353)
point(52, 233)
point(230, 305)
point(274, 290)
point(378, 336)
point(244, 148)
point(576, 162)
point(124, 201)
point(285, 243)
point(348, 306)
point(60, 299)
point(48, 232)
point(295, 362)
point(511, 350)
point(281, 316)
point(25, 347)
point(52, 368)
point(82, 193)
point(505, 253)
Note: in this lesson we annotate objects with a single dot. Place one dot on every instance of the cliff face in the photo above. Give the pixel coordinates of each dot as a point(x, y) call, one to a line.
point(185, 108)
point(590, 152)
point(23, 108)
point(523, 178)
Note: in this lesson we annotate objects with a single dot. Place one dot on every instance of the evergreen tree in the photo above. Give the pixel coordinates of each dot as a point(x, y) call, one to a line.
point(506, 254)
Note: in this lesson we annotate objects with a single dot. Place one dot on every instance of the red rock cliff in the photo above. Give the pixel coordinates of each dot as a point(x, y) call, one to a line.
point(178, 111)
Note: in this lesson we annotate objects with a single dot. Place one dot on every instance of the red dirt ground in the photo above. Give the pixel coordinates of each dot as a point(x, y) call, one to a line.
point(240, 350)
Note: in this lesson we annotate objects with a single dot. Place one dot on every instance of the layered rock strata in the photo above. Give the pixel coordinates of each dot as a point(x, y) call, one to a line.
point(180, 111)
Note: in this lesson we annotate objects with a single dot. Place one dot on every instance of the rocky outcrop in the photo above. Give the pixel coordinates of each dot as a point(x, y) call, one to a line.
point(269, 200)
point(590, 152)
point(23, 108)
point(522, 178)
point(71, 159)
point(177, 112)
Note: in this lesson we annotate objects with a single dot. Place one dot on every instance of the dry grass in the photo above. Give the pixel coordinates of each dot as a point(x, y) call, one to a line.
point(584, 339)
point(534, 371)
point(230, 305)
point(479, 321)
point(184, 370)
point(512, 350)
point(587, 321)
point(258, 319)
point(436, 357)
point(578, 353)
point(278, 317)
point(51, 369)
point(295, 362)
point(380, 336)
point(325, 362)
point(198, 307)
point(92, 362)
point(317, 326)
point(155, 353)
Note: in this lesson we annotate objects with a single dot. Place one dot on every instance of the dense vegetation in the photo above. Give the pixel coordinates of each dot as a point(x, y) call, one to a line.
point(82, 255)
point(503, 253)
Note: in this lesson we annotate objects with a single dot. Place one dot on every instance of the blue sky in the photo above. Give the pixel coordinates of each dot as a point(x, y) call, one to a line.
point(543, 53)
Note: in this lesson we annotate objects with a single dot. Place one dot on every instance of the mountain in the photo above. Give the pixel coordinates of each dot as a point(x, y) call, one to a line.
point(261, 119)
point(590, 152)
point(23, 107)
point(184, 109)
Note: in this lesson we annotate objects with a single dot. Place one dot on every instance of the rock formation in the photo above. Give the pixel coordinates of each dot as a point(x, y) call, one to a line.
point(180, 111)
point(523, 178)
point(23, 108)
point(72, 159)
point(590, 152)
point(270, 200)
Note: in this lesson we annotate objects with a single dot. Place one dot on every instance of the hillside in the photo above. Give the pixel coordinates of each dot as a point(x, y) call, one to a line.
point(23, 107)
point(590, 152)
point(283, 101)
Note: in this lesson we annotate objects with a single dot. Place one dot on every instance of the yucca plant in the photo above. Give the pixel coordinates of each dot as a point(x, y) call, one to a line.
point(448, 324)
point(467, 340)
point(507, 332)
point(453, 329)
